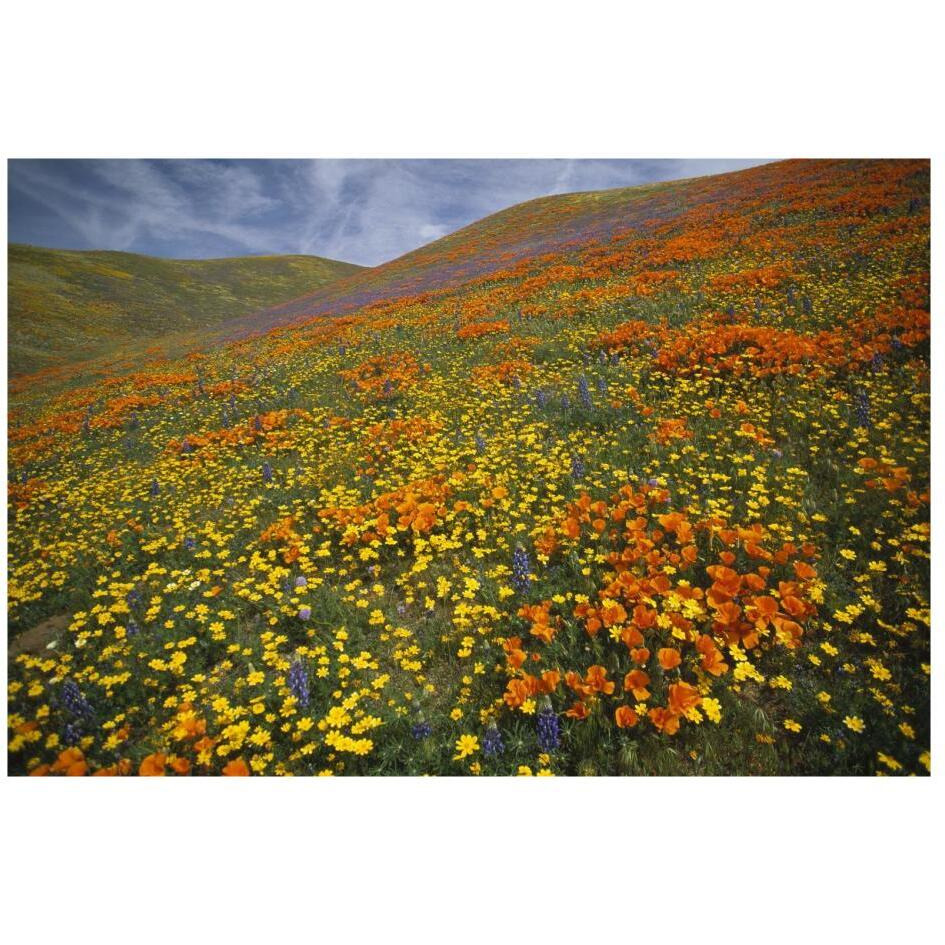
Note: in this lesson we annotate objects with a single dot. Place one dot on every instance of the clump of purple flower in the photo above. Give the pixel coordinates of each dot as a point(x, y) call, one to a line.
point(549, 729)
point(492, 740)
point(521, 569)
point(297, 681)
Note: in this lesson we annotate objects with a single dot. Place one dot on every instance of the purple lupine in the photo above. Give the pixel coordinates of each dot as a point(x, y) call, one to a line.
point(305, 613)
point(565, 402)
point(155, 488)
point(602, 387)
point(301, 581)
point(578, 469)
point(521, 566)
point(71, 698)
point(190, 543)
point(584, 392)
point(480, 444)
point(298, 682)
point(267, 472)
point(549, 729)
point(541, 398)
point(421, 728)
point(492, 740)
point(863, 409)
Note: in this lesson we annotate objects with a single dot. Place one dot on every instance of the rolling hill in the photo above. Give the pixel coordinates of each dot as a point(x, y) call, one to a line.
point(634, 482)
point(67, 306)
point(532, 236)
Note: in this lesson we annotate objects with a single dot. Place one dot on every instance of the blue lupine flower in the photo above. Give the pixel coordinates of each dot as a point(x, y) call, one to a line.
point(541, 399)
point(578, 469)
point(190, 543)
point(305, 613)
point(297, 681)
point(480, 444)
point(72, 699)
point(492, 740)
point(257, 423)
point(421, 730)
point(863, 409)
point(267, 472)
point(521, 566)
point(71, 735)
point(602, 387)
point(584, 392)
point(155, 488)
point(549, 729)
point(565, 402)
point(301, 581)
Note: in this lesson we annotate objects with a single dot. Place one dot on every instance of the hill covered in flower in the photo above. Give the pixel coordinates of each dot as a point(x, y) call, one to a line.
point(634, 482)
point(67, 305)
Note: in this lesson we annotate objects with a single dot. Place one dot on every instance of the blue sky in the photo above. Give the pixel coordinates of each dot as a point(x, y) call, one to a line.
point(361, 211)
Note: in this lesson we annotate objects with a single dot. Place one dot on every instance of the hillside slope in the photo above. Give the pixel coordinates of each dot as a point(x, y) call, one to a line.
point(68, 305)
point(532, 235)
point(631, 483)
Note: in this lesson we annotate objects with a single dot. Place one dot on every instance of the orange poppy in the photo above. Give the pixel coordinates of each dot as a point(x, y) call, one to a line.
point(669, 657)
point(237, 768)
point(683, 697)
point(153, 765)
point(665, 721)
point(625, 717)
point(636, 682)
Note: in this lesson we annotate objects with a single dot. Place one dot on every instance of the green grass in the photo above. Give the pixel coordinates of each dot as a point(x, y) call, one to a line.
point(66, 305)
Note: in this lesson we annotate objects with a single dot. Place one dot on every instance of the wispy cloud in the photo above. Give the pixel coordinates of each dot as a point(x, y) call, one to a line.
point(365, 211)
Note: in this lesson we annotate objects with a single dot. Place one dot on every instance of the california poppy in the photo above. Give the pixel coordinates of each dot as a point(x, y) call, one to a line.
point(669, 657)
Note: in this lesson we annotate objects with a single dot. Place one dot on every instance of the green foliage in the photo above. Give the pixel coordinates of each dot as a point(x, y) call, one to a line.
point(67, 306)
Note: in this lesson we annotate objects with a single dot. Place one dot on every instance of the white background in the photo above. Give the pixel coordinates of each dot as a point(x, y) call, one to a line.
point(537, 860)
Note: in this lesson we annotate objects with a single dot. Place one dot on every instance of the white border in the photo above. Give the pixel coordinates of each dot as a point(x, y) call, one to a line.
point(712, 860)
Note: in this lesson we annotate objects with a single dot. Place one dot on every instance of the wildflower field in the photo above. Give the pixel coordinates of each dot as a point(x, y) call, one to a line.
point(629, 482)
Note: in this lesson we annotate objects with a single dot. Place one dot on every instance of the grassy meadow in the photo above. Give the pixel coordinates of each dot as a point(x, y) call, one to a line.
point(67, 306)
point(626, 483)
